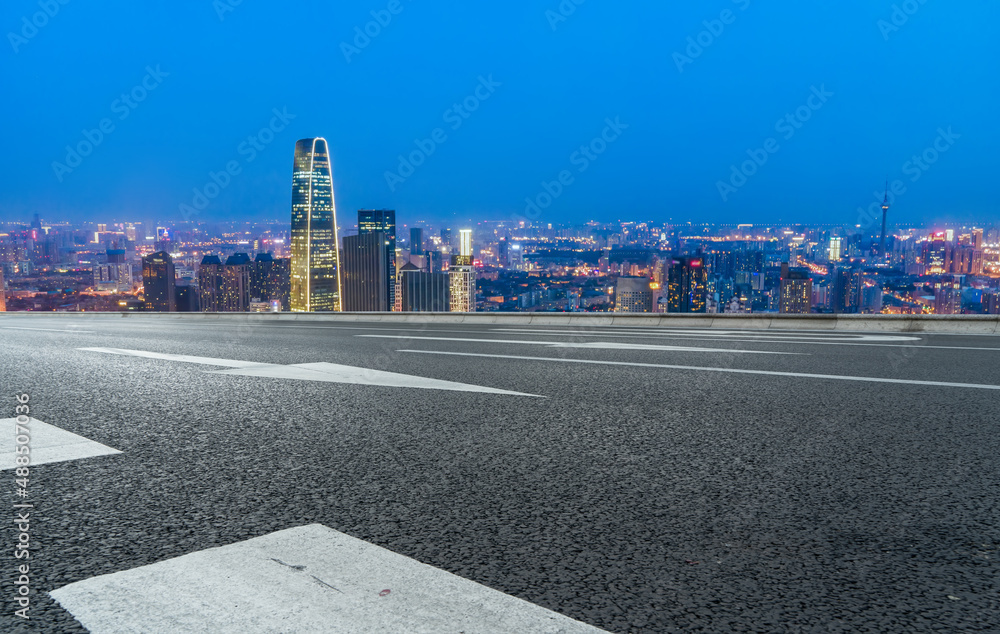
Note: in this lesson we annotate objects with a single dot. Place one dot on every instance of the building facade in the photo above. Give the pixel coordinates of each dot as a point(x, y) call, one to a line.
point(633, 295)
point(269, 281)
point(159, 283)
point(687, 286)
point(796, 291)
point(366, 284)
point(423, 292)
point(384, 220)
point(315, 270)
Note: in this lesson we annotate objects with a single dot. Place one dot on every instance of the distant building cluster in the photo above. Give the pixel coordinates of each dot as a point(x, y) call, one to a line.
point(310, 264)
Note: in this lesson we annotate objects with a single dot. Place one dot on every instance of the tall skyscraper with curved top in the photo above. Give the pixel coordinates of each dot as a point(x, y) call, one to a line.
point(315, 268)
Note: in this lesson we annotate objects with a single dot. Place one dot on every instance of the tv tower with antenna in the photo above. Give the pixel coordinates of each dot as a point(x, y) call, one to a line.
point(885, 211)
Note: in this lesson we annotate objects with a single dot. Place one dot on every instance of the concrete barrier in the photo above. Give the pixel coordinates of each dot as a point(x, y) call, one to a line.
point(955, 324)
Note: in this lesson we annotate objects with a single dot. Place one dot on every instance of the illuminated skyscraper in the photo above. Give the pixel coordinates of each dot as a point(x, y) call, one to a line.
point(937, 254)
point(3, 293)
point(235, 296)
point(465, 242)
point(686, 290)
point(796, 290)
point(462, 277)
point(269, 280)
point(315, 272)
point(158, 282)
point(210, 284)
point(835, 249)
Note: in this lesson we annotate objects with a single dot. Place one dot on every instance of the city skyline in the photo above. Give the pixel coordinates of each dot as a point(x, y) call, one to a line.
point(684, 126)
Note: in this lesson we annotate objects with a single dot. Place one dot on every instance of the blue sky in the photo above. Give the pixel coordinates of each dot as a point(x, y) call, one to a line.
point(892, 85)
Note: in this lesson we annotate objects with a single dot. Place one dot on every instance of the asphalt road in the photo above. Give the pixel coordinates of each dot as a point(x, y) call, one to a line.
point(638, 480)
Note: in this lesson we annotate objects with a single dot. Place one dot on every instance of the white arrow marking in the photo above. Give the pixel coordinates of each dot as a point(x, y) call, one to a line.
point(305, 579)
point(48, 443)
point(326, 372)
point(594, 345)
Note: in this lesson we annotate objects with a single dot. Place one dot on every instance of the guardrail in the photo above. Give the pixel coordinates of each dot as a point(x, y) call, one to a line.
point(958, 324)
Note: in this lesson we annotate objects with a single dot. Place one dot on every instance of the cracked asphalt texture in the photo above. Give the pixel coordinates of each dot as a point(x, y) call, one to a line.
point(635, 499)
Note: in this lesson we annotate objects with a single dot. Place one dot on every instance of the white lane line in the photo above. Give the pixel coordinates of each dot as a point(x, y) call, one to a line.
point(48, 329)
point(594, 345)
point(48, 444)
point(832, 377)
point(723, 335)
point(757, 340)
point(305, 579)
point(324, 372)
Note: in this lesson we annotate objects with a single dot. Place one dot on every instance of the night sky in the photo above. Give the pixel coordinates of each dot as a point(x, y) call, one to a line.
point(867, 91)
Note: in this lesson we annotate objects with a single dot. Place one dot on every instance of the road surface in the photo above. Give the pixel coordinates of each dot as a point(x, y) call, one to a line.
point(630, 479)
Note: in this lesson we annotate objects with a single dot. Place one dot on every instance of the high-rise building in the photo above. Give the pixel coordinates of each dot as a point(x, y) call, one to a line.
point(446, 240)
point(462, 276)
point(465, 242)
point(462, 284)
point(269, 280)
point(947, 298)
point(977, 238)
point(366, 284)
point(687, 286)
point(503, 253)
point(416, 241)
point(422, 292)
point(384, 220)
point(991, 303)
point(937, 254)
point(315, 270)
point(849, 291)
point(885, 213)
point(210, 284)
point(116, 275)
point(235, 295)
point(796, 290)
point(158, 282)
point(836, 245)
point(3, 293)
point(633, 295)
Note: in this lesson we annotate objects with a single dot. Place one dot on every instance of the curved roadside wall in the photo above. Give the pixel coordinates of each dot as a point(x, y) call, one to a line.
point(958, 324)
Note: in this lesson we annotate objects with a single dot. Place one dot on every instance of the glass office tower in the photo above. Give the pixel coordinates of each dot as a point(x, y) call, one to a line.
point(315, 270)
